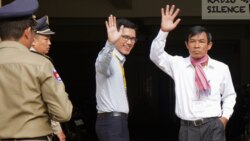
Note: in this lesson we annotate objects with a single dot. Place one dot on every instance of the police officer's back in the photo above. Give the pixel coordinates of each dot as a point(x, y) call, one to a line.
point(31, 91)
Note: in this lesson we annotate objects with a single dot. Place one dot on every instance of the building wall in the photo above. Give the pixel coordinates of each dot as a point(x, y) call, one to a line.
point(102, 8)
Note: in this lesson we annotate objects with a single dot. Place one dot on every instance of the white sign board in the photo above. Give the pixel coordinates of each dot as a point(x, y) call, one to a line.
point(225, 9)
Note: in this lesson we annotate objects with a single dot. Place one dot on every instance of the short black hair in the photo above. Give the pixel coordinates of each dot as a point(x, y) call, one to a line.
point(197, 30)
point(126, 23)
point(13, 28)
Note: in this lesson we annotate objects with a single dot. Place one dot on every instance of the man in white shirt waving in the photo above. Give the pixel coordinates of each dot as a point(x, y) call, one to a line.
point(204, 92)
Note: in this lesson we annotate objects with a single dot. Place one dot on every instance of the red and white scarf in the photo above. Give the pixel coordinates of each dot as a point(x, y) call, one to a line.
point(201, 82)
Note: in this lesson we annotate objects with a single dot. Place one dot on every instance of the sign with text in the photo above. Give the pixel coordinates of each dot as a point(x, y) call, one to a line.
point(225, 9)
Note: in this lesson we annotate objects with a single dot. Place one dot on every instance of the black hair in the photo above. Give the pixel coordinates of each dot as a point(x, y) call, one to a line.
point(197, 30)
point(126, 23)
point(13, 28)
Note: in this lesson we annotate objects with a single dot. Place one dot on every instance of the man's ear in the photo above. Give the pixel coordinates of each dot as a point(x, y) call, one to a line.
point(186, 44)
point(34, 42)
point(210, 45)
point(27, 32)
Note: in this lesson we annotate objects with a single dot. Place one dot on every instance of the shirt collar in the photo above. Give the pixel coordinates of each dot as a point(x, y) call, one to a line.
point(121, 57)
point(13, 44)
point(188, 63)
point(32, 49)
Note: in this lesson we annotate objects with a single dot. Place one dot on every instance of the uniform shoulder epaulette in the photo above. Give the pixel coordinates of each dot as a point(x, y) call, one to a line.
point(46, 56)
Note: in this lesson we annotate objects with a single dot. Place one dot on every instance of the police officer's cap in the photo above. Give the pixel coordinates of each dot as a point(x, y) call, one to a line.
point(42, 26)
point(19, 8)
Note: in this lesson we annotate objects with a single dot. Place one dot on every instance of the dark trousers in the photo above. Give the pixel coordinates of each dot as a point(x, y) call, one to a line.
point(112, 128)
point(210, 131)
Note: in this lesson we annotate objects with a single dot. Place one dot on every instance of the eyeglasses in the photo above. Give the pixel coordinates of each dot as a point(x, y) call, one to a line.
point(127, 38)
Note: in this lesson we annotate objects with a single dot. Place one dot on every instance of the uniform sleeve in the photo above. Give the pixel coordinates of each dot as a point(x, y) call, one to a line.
point(54, 94)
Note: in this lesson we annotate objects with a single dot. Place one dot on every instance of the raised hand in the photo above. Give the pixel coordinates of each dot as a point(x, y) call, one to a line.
point(112, 31)
point(167, 18)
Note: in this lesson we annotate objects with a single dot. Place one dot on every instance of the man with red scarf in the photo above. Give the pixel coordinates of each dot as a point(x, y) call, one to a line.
point(204, 92)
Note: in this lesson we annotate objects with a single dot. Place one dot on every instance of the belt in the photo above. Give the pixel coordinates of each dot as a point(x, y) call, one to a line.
point(43, 138)
point(112, 114)
point(197, 122)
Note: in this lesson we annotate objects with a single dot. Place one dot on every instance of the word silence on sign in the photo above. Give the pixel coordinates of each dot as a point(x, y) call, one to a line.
point(225, 9)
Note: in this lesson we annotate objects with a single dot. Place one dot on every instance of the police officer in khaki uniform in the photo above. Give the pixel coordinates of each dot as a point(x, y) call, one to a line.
point(41, 46)
point(31, 91)
point(41, 43)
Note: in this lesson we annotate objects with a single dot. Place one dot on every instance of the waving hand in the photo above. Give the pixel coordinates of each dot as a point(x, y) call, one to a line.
point(167, 18)
point(112, 31)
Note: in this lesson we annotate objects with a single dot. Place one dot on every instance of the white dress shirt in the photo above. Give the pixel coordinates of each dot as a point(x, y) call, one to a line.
point(188, 105)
